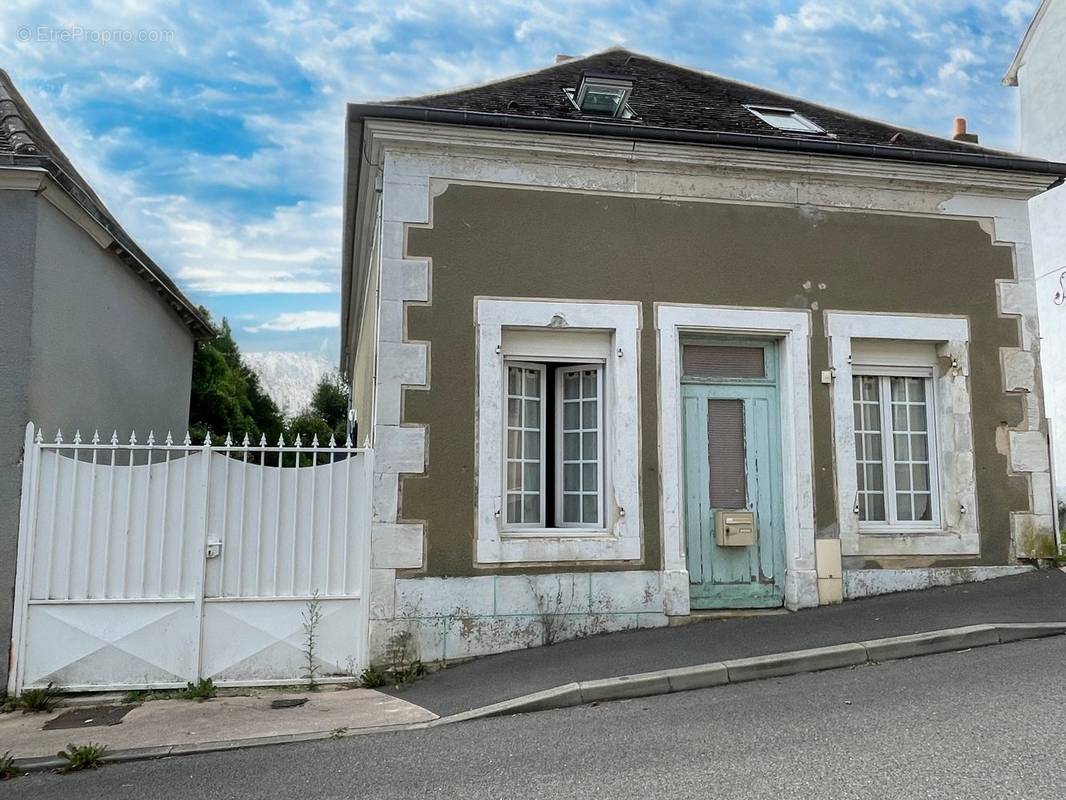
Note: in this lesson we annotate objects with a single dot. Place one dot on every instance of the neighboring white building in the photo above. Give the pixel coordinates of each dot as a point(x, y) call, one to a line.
point(1039, 71)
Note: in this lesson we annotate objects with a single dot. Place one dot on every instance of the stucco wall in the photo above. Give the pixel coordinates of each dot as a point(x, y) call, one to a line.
point(1042, 89)
point(18, 223)
point(107, 353)
point(510, 242)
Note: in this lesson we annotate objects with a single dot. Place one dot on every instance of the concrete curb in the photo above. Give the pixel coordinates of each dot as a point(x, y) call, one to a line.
point(776, 665)
point(667, 681)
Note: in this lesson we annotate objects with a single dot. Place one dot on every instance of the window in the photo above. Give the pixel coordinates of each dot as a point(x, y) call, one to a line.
point(602, 95)
point(785, 119)
point(894, 462)
point(906, 482)
point(554, 445)
point(557, 431)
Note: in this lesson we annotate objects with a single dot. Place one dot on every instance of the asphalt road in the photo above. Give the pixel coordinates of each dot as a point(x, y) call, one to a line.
point(988, 723)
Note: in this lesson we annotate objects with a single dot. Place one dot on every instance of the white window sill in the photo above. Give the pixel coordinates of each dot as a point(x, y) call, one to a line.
point(910, 542)
point(557, 533)
point(586, 546)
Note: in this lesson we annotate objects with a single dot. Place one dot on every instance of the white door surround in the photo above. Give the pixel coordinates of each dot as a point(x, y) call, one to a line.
point(792, 330)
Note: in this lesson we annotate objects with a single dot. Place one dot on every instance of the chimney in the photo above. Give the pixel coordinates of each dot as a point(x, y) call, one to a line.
point(561, 57)
point(960, 134)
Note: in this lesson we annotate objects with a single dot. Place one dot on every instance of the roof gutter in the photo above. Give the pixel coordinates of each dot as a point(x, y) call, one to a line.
point(688, 136)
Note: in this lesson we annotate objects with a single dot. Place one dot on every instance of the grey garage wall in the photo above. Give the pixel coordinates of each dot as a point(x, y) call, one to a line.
point(106, 352)
point(18, 230)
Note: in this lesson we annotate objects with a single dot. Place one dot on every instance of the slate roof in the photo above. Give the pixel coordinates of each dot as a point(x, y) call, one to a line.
point(675, 103)
point(25, 143)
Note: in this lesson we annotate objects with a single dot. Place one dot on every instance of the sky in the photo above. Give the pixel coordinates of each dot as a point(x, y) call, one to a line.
point(215, 131)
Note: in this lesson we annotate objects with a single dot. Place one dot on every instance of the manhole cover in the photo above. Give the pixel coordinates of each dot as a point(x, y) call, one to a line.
point(88, 717)
point(288, 702)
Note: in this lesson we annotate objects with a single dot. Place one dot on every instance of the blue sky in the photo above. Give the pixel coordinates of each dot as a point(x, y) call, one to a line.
point(215, 133)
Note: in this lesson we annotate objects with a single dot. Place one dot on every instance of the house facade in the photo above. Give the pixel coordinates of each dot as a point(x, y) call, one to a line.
point(632, 341)
point(1039, 74)
point(93, 335)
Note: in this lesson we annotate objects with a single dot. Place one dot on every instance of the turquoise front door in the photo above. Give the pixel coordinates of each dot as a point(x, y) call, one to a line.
point(732, 460)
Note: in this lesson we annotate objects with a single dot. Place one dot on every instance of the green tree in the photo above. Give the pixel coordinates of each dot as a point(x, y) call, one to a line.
point(226, 395)
point(327, 413)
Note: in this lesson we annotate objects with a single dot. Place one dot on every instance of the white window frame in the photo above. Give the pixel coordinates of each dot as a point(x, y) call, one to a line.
point(807, 125)
point(619, 536)
point(543, 445)
point(560, 461)
point(957, 532)
point(884, 375)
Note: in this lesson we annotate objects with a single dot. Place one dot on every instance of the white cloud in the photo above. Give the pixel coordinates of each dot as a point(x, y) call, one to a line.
point(955, 68)
point(299, 321)
point(1019, 11)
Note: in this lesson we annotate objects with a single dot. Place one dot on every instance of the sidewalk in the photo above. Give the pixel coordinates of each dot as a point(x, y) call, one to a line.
point(166, 727)
point(1031, 597)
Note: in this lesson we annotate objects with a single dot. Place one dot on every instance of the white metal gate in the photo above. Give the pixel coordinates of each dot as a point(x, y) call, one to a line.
point(150, 565)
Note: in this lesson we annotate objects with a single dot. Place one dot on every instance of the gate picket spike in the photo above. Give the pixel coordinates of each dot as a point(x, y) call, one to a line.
point(297, 442)
point(133, 437)
point(38, 438)
point(229, 440)
point(77, 436)
point(263, 440)
point(246, 443)
point(96, 436)
point(187, 441)
point(348, 441)
point(59, 436)
point(207, 438)
point(151, 438)
point(314, 441)
point(169, 440)
point(281, 440)
point(332, 440)
point(114, 438)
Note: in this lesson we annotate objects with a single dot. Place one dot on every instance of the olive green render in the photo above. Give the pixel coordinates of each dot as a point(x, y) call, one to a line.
point(507, 242)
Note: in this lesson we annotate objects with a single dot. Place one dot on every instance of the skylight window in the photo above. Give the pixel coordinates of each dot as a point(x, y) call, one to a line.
point(785, 119)
point(602, 95)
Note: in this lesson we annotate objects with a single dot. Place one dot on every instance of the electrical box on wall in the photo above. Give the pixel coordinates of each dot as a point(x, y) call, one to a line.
point(734, 528)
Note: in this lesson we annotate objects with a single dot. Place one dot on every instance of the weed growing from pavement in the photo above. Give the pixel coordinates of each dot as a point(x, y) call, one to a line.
point(7, 766)
point(203, 689)
point(312, 616)
point(38, 700)
point(82, 756)
point(402, 664)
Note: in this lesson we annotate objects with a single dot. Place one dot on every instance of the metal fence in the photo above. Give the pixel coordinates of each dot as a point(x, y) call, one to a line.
point(153, 564)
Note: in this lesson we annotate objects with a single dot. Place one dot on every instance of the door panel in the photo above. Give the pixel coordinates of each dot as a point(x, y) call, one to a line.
point(732, 461)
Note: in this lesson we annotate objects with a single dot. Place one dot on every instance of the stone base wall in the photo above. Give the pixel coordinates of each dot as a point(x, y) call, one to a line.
point(456, 618)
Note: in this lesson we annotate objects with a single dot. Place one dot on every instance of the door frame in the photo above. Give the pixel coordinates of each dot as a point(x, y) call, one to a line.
point(791, 328)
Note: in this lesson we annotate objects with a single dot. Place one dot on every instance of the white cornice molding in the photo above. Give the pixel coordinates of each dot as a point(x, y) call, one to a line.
point(672, 157)
point(1011, 78)
point(35, 179)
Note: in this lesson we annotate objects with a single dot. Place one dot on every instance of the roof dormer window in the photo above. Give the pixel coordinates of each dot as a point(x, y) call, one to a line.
point(602, 95)
point(785, 119)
